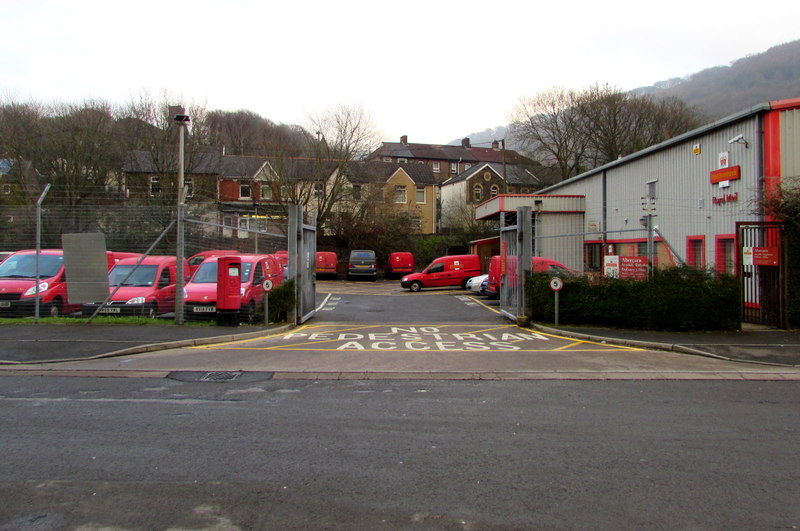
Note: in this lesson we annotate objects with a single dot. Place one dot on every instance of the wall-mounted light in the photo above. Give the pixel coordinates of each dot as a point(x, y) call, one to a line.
point(739, 139)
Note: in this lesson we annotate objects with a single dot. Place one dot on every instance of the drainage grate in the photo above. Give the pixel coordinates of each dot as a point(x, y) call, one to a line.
point(221, 376)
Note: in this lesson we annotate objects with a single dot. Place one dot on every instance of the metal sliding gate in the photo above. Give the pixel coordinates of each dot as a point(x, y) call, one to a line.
point(762, 271)
point(302, 262)
point(515, 261)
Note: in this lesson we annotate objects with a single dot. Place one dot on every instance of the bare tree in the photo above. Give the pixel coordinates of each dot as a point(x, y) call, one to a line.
point(318, 178)
point(549, 126)
point(577, 131)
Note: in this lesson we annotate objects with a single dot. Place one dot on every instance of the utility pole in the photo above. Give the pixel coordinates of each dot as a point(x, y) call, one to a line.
point(649, 208)
point(183, 123)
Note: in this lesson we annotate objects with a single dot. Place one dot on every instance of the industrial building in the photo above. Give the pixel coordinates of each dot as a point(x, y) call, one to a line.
point(695, 191)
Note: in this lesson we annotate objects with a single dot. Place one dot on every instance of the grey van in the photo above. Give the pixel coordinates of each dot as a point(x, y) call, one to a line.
point(362, 264)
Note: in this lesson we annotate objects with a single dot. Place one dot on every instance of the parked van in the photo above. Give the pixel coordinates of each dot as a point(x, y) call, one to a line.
point(196, 259)
point(452, 270)
point(362, 264)
point(200, 293)
point(538, 265)
point(18, 283)
point(399, 264)
point(148, 290)
point(327, 262)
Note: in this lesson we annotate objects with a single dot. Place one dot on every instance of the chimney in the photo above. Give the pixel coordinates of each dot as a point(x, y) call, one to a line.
point(404, 140)
point(465, 143)
point(495, 145)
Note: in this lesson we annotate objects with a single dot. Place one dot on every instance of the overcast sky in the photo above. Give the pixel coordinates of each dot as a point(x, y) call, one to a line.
point(433, 70)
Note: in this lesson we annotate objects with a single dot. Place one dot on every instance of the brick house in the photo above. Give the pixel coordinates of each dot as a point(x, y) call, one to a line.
point(480, 183)
point(447, 161)
point(399, 187)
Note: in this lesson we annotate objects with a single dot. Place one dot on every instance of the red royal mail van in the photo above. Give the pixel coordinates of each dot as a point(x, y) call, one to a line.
point(399, 264)
point(539, 265)
point(18, 283)
point(200, 293)
point(452, 270)
point(196, 259)
point(327, 262)
point(147, 289)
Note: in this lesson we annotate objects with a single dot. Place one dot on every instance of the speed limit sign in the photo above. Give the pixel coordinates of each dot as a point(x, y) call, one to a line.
point(556, 283)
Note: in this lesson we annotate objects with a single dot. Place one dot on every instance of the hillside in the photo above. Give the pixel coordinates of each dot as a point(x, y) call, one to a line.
point(724, 90)
point(717, 91)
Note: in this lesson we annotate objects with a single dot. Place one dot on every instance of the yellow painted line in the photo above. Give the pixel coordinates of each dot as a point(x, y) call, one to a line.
point(495, 310)
point(428, 351)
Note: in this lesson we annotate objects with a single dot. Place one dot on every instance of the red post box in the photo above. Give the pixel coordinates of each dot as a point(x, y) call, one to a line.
point(229, 285)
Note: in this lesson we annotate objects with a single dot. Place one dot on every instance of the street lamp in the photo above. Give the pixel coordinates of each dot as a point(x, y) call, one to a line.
point(182, 120)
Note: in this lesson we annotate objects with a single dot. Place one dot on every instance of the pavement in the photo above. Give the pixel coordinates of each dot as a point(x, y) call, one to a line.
point(25, 345)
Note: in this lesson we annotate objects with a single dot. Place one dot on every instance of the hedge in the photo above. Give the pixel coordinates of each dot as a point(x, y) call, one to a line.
point(679, 298)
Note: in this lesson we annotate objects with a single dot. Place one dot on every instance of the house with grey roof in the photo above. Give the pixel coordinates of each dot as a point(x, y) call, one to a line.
point(446, 161)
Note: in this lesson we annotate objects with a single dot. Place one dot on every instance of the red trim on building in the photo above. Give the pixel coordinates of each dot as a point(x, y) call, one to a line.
point(691, 253)
point(772, 155)
point(782, 105)
point(719, 252)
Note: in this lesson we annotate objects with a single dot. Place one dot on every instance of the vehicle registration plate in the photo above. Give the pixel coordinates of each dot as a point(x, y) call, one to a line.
point(204, 309)
point(5, 304)
point(109, 309)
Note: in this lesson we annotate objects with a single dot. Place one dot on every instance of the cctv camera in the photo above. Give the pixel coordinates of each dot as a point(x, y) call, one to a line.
point(735, 139)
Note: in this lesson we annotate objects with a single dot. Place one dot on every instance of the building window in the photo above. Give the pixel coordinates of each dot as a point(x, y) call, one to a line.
point(696, 251)
point(725, 261)
point(356, 191)
point(243, 226)
point(266, 191)
point(402, 160)
point(244, 191)
point(286, 193)
point(495, 190)
point(400, 194)
point(319, 191)
point(420, 195)
point(387, 159)
point(188, 185)
point(593, 256)
point(227, 230)
point(437, 167)
point(467, 166)
point(155, 185)
point(477, 193)
point(454, 167)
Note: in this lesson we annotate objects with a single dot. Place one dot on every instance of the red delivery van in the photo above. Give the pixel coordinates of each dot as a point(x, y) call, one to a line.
point(147, 289)
point(538, 265)
point(327, 263)
point(196, 259)
point(200, 293)
point(18, 283)
point(399, 264)
point(452, 270)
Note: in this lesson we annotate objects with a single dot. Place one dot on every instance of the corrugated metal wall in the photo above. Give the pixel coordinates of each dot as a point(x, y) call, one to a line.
point(684, 193)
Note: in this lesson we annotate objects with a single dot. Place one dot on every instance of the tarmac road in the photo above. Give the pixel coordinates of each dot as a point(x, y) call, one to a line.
point(391, 312)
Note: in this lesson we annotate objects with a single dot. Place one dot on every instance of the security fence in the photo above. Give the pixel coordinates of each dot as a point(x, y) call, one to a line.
point(149, 227)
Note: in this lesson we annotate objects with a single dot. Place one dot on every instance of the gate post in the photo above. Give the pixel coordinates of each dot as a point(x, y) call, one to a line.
point(525, 242)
